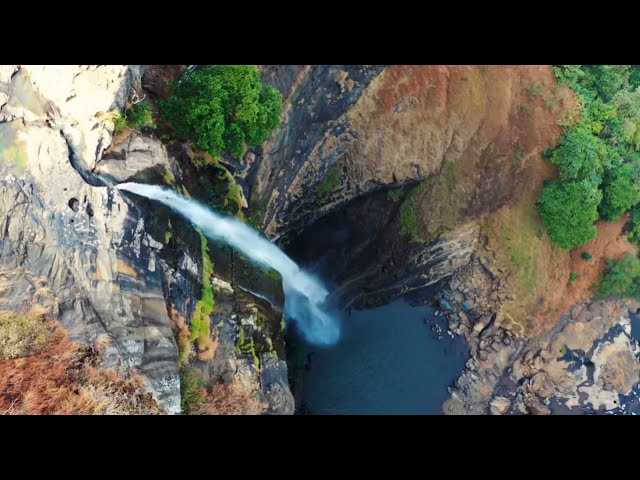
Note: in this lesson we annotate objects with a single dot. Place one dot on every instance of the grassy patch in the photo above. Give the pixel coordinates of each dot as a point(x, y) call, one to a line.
point(246, 346)
point(530, 262)
point(21, 335)
point(330, 183)
point(395, 194)
point(535, 90)
point(517, 158)
point(192, 391)
point(168, 177)
point(408, 218)
point(201, 321)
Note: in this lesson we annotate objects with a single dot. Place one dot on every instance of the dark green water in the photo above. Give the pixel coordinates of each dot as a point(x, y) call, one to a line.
point(387, 362)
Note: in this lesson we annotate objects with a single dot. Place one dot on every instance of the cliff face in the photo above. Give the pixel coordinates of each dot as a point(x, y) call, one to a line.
point(421, 173)
point(114, 273)
point(405, 160)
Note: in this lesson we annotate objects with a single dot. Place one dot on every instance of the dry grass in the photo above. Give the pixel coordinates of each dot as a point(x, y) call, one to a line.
point(533, 266)
point(64, 378)
point(230, 399)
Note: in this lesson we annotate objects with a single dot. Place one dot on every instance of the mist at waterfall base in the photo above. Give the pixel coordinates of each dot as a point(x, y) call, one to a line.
point(305, 294)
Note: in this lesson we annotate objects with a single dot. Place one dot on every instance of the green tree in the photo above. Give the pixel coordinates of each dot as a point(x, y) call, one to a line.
point(570, 210)
point(620, 193)
point(223, 108)
point(622, 278)
point(580, 156)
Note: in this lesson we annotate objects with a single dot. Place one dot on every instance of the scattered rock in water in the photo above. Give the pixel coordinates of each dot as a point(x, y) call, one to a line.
point(444, 304)
point(499, 406)
point(453, 406)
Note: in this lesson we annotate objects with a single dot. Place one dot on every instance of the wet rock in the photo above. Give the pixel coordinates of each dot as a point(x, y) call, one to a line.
point(453, 406)
point(467, 305)
point(499, 406)
point(444, 305)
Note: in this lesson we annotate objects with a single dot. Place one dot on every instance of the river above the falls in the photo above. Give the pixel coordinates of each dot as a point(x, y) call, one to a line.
point(388, 361)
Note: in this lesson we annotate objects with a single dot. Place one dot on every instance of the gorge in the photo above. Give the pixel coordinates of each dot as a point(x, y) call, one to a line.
point(406, 194)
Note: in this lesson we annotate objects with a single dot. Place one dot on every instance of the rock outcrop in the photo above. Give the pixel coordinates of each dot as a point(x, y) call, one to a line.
point(86, 240)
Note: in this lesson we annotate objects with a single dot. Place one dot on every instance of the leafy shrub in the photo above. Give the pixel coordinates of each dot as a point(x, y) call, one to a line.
point(586, 256)
point(622, 278)
point(570, 211)
point(139, 115)
point(573, 277)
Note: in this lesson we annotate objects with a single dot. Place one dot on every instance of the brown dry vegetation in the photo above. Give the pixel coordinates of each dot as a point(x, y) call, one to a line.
point(475, 132)
point(230, 399)
point(65, 378)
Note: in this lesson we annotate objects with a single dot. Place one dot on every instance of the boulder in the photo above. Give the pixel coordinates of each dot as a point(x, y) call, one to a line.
point(499, 406)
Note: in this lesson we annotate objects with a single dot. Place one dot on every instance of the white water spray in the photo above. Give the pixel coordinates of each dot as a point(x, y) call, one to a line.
point(304, 294)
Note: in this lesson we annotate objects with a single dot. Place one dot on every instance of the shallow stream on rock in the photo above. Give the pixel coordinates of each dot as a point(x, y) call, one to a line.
point(388, 361)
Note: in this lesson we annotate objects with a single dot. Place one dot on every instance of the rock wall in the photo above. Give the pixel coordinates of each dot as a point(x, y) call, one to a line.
point(115, 265)
point(87, 241)
point(375, 145)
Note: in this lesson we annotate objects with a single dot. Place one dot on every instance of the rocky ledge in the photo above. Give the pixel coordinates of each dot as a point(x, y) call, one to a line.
point(588, 363)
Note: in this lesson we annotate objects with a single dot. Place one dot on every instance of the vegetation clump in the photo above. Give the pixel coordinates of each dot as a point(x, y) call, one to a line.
point(224, 108)
point(599, 157)
point(622, 278)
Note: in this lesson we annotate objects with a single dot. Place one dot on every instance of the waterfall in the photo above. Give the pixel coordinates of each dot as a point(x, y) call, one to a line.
point(305, 294)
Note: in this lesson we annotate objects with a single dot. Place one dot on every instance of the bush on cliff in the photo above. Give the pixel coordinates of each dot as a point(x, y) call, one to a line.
point(223, 108)
point(622, 278)
point(570, 211)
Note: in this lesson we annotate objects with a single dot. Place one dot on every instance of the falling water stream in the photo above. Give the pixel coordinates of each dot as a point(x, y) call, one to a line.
point(305, 294)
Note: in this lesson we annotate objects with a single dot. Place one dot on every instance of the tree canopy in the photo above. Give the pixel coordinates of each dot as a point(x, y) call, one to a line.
point(224, 108)
point(570, 211)
point(599, 159)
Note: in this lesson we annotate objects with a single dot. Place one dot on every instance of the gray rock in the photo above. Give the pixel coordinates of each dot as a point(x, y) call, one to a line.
point(537, 408)
point(139, 153)
point(453, 406)
point(538, 363)
point(444, 305)
point(467, 305)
